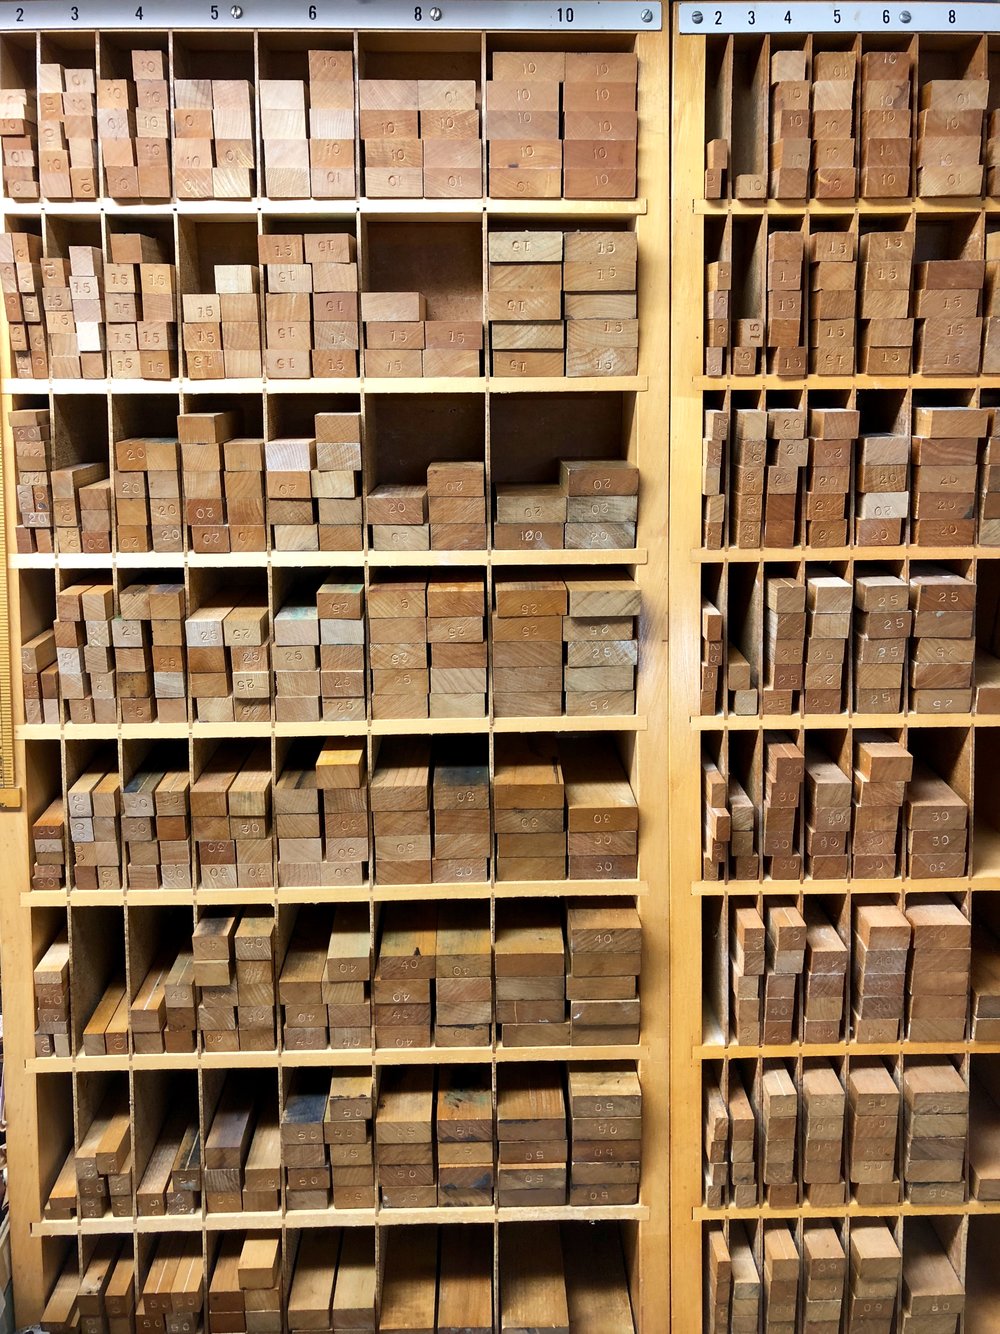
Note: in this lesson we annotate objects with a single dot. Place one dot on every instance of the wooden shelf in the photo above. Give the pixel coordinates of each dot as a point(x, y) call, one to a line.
point(834, 208)
point(502, 889)
point(741, 555)
point(227, 209)
point(424, 384)
point(315, 1218)
point(328, 1058)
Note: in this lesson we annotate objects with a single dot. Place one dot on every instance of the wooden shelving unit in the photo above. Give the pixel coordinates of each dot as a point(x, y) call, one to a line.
point(700, 1041)
point(45, 1105)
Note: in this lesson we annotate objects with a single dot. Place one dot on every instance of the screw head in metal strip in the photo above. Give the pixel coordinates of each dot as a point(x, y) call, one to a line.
point(436, 14)
point(646, 16)
point(905, 16)
point(697, 16)
point(236, 12)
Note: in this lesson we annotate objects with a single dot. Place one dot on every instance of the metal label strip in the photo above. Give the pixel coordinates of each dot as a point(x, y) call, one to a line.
point(326, 15)
point(821, 16)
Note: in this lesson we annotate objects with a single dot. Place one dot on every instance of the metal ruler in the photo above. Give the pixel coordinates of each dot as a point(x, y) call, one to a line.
point(320, 15)
point(727, 16)
point(10, 794)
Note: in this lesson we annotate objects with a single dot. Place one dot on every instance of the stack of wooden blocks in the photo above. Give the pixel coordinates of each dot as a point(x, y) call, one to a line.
point(824, 1112)
point(828, 627)
point(602, 815)
point(885, 333)
point(833, 127)
point(307, 689)
point(73, 297)
point(460, 794)
point(40, 679)
point(221, 329)
point(824, 979)
point(563, 303)
point(235, 1131)
point(789, 121)
point(141, 311)
point(872, 1129)
point(882, 622)
point(746, 971)
point(715, 1142)
point(456, 506)
point(67, 132)
point(404, 1139)
point(528, 620)
point(742, 1163)
point(712, 631)
point(531, 1133)
point(81, 508)
point(421, 138)
point(230, 818)
point(400, 340)
point(228, 654)
point(882, 768)
point(784, 771)
point(307, 130)
point(832, 301)
point(213, 139)
point(103, 1161)
point(881, 946)
point(946, 344)
point(133, 125)
point(781, 1279)
point(347, 1132)
point(463, 985)
point(601, 646)
point(147, 635)
point(398, 633)
point(605, 1107)
point(717, 820)
point(147, 1013)
point(930, 1283)
point(174, 1286)
point(463, 1125)
point(105, 1291)
point(223, 510)
point(935, 1132)
point(84, 653)
point(311, 317)
point(719, 1283)
point(456, 636)
point(713, 505)
point(886, 124)
point(234, 971)
point(21, 285)
point(943, 648)
point(718, 316)
point(529, 800)
point(785, 956)
point(945, 447)
point(404, 973)
point(784, 644)
point(748, 469)
point(832, 432)
point(937, 983)
point(48, 848)
point(51, 976)
point(245, 1288)
point(950, 136)
point(156, 828)
point(597, 94)
point(985, 985)
point(785, 315)
point(400, 795)
point(529, 962)
point(336, 976)
point(604, 946)
point(341, 775)
point(305, 1168)
point(31, 429)
point(19, 144)
point(593, 506)
point(334, 1279)
point(149, 512)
